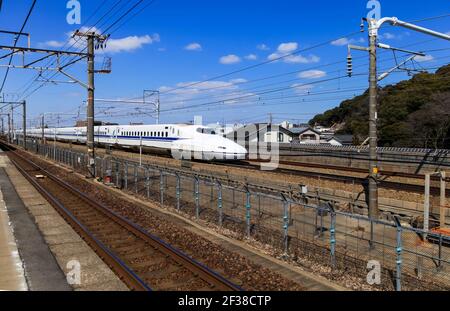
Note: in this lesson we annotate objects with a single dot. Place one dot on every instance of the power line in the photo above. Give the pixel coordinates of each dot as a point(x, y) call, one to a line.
point(234, 92)
point(271, 61)
point(16, 40)
point(120, 18)
point(261, 64)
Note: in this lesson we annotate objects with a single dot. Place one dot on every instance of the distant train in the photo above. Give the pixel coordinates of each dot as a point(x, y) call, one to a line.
point(181, 141)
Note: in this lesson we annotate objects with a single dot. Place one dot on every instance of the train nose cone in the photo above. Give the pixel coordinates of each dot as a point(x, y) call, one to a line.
point(238, 151)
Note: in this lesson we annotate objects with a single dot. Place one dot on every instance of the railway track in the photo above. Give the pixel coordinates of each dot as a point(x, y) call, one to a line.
point(347, 179)
point(141, 260)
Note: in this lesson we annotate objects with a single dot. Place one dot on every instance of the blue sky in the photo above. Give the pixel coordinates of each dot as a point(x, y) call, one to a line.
point(172, 44)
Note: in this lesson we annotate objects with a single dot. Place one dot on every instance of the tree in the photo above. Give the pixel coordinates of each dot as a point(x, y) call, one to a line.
point(431, 125)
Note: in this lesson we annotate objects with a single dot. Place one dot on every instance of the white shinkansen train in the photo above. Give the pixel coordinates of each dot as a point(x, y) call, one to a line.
point(181, 141)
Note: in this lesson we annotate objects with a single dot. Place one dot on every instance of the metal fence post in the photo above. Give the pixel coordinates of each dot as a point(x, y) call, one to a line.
point(136, 179)
point(285, 225)
point(333, 237)
point(125, 175)
point(220, 202)
point(248, 210)
point(197, 197)
point(440, 253)
point(147, 181)
point(178, 191)
point(161, 187)
point(117, 167)
point(399, 250)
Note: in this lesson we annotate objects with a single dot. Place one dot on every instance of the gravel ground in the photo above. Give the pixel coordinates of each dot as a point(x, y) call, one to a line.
point(237, 173)
point(233, 266)
point(240, 270)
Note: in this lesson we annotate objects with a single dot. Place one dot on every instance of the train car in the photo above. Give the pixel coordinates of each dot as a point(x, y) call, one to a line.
point(181, 141)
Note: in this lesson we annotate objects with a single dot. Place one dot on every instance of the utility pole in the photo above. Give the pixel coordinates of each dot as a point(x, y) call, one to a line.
point(374, 26)
point(90, 105)
point(24, 126)
point(157, 104)
point(93, 40)
point(12, 123)
point(9, 122)
point(43, 128)
point(373, 135)
point(9, 128)
point(24, 117)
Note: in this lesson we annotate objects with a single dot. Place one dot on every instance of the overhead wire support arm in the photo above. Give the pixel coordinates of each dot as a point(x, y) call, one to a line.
point(374, 27)
point(34, 50)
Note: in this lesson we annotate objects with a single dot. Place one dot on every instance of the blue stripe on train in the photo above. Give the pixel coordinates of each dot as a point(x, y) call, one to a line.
point(168, 139)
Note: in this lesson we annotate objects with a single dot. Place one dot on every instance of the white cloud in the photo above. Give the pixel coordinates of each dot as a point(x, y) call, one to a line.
point(422, 59)
point(126, 44)
point(388, 36)
point(285, 49)
point(251, 57)
point(227, 92)
point(302, 89)
point(346, 41)
point(238, 81)
point(194, 46)
point(230, 59)
point(262, 47)
point(341, 42)
point(53, 44)
point(312, 74)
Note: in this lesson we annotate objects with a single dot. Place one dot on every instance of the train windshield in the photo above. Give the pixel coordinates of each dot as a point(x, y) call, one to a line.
point(208, 131)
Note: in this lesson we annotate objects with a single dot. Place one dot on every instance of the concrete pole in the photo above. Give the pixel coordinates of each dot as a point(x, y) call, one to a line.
point(426, 205)
point(442, 211)
point(43, 128)
point(12, 124)
point(90, 106)
point(9, 128)
point(373, 137)
point(158, 107)
point(24, 118)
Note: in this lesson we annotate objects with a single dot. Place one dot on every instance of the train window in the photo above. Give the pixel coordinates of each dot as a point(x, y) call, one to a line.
point(167, 134)
point(208, 131)
point(159, 134)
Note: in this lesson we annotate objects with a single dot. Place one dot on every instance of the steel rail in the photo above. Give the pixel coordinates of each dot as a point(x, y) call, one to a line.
point(115, 263)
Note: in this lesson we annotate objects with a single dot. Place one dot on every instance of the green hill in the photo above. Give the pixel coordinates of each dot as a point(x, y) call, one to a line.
point(412, 113)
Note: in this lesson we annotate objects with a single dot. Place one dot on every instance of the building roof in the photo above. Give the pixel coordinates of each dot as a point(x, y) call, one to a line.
point(344, 138)
point(301, 130)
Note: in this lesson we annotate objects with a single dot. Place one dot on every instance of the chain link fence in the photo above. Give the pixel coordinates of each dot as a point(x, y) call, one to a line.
point(287, 223)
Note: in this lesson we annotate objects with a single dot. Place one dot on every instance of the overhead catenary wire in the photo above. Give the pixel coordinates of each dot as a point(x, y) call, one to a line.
point(16, 40)
point(26, 95)
point(224, 96)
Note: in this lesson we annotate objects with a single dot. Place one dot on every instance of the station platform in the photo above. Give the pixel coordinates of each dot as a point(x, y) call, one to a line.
point(12, 277)
point(26, 261)
point(37, 245)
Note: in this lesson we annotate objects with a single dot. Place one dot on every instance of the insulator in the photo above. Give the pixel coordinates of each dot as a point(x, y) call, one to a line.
point(349, 65)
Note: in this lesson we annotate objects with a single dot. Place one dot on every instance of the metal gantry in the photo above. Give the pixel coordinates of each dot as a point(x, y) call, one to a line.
point(93, 41)
point(13, 104)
